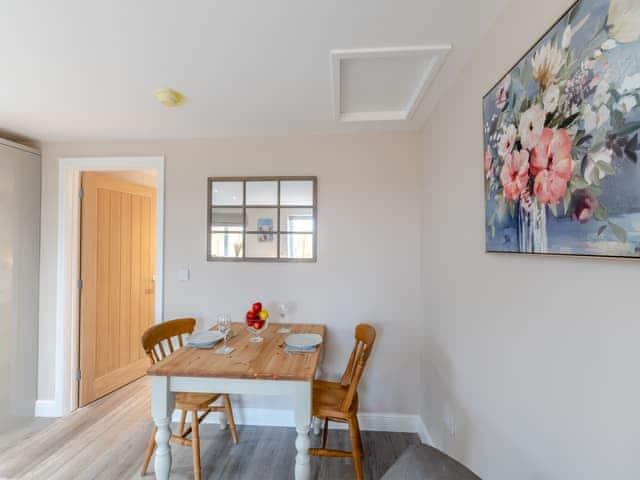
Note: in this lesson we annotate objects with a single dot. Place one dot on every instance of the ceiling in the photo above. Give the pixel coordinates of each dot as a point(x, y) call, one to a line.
point(87, 70)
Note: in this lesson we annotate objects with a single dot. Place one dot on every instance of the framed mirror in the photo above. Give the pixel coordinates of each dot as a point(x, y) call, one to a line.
point(264, 219)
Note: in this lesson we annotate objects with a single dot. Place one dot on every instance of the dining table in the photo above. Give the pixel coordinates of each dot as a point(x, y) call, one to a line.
point(264, 368)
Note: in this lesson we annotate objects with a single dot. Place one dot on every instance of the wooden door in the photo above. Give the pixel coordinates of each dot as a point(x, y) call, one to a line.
point(117, 269)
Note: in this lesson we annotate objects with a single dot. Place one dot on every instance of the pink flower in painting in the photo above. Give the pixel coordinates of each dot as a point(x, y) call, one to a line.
point(585, 206)
point(531, 125)
point(551, 165)
point(553, 152)
point(503, 92)
point(549, 187)
point(488, 160)
point(515, 174)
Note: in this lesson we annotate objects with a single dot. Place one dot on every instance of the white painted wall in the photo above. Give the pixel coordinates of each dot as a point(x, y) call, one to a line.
point(535, 359)
point(368, 266)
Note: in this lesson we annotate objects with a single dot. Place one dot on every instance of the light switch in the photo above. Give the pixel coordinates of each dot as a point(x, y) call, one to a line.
point(184, 274)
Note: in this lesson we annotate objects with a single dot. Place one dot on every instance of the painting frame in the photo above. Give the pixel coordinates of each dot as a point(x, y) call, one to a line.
point(536, 45)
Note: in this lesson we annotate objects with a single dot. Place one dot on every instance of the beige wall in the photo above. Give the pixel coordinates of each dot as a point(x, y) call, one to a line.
point(535, 359)
point(368, 246)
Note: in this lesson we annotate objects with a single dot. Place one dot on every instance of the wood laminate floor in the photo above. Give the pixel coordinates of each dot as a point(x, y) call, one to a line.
point(107, 439)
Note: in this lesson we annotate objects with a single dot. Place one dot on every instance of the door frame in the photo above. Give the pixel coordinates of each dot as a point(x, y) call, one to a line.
point(68, 263)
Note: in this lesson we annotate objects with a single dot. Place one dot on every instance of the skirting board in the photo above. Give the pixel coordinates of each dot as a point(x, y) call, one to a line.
point(376, 422)
point(46, 408)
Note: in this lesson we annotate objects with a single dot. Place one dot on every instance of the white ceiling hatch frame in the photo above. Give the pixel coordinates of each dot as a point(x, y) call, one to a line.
point(425, 59)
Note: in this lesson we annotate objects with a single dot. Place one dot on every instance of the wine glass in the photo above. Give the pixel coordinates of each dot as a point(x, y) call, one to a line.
point(283, 309)
point(224, 327)
point(255, 328)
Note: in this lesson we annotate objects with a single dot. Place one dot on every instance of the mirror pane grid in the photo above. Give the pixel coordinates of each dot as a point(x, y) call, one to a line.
point(296, 246)
point(262, 218)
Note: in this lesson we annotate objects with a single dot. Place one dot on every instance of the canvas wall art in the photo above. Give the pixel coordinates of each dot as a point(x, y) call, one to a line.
point(561, 139)
point(265, 227)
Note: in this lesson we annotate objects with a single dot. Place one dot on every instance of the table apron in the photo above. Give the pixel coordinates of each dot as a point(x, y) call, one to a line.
point(239, 386)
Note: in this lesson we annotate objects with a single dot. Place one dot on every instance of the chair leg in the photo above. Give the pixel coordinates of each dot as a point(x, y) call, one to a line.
point(359, 436)
point(354, 433)
point(325, 432)
point(230, 419)
point(151, 446)
point(183, 419)
point(195, 444)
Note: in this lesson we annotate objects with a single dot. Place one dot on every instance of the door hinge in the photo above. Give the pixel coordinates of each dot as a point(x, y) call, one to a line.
point(78, 375)
point(80, 284)
point(81, 193)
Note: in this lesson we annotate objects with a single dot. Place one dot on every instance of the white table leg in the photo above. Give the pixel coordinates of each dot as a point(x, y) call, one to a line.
point(302, 407)
point(317, 423)
point(162, 404)
point(223, 420)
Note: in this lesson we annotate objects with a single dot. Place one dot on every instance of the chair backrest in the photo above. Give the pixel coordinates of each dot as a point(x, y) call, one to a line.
point(365, 337)
point(156, 337)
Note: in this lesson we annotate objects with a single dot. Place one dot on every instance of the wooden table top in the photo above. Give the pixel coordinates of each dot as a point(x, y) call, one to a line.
point(265, 361)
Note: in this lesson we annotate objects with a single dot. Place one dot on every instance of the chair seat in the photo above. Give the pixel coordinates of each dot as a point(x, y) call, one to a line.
point(195, 401)
point(328, 398)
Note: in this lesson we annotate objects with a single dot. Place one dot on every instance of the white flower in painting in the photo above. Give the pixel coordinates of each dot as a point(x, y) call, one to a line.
point(546, 64)
point(531, 125)
point(595, 119)
point(603, 155)
point(507, 140)
point(627, 103)
point(630, 83)
point(590, 118)
point(570, 32)
point(623, 20)
point(566, 37)
point(601, 95)
point(609, 44)
point(597, 53)
point(551, 99)
point(603, 115)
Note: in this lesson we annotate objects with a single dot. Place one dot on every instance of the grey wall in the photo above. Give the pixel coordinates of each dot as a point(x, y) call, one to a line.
point(19, 263)
point(531, 361)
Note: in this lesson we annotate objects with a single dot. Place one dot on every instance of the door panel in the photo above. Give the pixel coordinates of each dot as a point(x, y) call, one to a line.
point(117, 269)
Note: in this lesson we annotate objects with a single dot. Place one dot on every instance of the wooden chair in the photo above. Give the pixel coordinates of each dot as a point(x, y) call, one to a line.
point(338, 401)
point(154, 341)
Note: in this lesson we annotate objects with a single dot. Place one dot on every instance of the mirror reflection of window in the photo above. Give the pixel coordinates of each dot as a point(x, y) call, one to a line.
point(268, 219)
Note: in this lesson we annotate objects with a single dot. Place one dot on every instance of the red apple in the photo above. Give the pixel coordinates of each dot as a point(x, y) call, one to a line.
point(258, 324)
point(256, 308)
point(251, 316)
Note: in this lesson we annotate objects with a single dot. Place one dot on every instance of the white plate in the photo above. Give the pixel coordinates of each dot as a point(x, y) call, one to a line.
point(303, 340)
point(207, 337)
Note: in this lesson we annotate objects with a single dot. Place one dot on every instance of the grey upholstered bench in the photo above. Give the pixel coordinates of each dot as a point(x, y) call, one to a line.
point(421, 462)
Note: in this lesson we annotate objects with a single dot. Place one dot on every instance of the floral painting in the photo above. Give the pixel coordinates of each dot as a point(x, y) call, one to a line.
point(561, 139)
